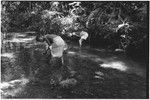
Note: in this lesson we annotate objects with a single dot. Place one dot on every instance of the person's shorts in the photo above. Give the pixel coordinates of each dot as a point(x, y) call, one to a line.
point(58, 47)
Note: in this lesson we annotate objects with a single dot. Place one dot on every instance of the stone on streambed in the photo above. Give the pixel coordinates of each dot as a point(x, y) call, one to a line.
point(119, 50)
point(68, 82)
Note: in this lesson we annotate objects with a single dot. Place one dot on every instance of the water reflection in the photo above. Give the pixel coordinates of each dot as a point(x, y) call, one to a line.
point(13, 51)
point(18, 61)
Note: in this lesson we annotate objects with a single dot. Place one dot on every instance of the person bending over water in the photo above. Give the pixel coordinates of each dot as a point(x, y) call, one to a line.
point(55, 44)
point(82, 35)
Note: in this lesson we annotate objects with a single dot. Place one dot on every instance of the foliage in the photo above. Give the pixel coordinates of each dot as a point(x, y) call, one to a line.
point(126, 22)
point(106, 19)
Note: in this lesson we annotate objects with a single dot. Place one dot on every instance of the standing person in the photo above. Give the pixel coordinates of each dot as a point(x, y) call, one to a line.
point(55, 44)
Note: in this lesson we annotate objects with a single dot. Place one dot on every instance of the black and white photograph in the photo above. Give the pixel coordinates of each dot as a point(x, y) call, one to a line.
point(74, 49)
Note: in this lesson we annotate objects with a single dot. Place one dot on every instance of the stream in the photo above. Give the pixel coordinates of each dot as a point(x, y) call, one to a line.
point(87, 72)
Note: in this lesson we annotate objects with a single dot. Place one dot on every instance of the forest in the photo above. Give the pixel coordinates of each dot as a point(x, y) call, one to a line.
point(114, 29)
point(100, 19)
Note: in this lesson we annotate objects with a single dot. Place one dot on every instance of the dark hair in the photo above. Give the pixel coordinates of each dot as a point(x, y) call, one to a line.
point(39, 38)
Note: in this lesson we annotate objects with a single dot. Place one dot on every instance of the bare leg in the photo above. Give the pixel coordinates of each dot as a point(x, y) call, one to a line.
point(80, 42)
point(62, 60)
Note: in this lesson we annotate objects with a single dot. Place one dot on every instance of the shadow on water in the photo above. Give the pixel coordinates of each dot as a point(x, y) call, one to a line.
point(80, 77)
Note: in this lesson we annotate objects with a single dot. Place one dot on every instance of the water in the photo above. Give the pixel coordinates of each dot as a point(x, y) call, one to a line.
point(87, 73)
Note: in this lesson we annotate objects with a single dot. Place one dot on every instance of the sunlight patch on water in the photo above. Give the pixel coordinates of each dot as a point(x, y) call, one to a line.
point(18, 40)
point(13, 87)
point(39, 49)
point(12, 83)
point(21, 35)
point(8, 55)
point(115, 65)
point(28, 39)
point(71, 52)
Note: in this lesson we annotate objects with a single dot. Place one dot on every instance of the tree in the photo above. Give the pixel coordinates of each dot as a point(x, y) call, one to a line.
point(119, 24)
point(115, 19)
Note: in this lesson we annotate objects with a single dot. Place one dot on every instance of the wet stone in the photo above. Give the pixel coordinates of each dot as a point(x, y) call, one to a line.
point(68, 82)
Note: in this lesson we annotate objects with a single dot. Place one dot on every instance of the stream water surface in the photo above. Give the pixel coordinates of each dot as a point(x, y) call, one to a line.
point(87, 73)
